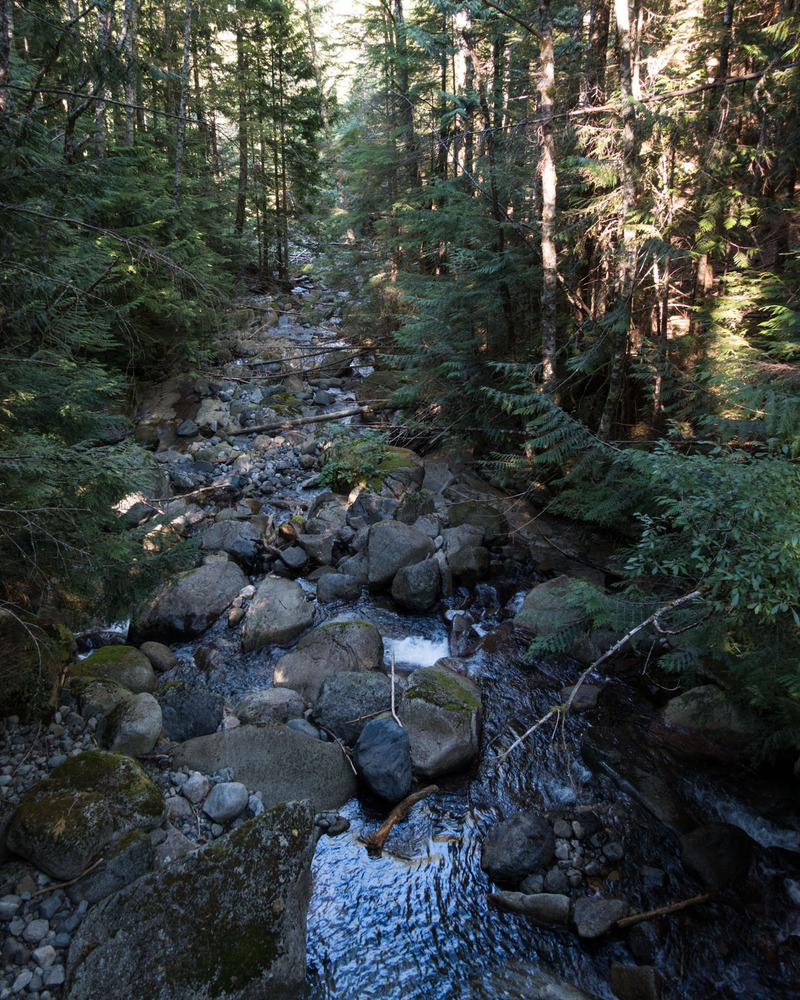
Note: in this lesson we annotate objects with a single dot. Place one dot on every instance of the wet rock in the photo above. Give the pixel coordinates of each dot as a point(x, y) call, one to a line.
point(442, 713)
point(546, 907)
point(705, 709)
point(595, 917)
point(278, 613)
point(470, 564)
point(391, 546)
point(235, 926)
point(523, 981)
point(416, 587)
point(125, 665)
point(131, 727)
point(191, 604)
point(188, 711)
point(294, 558)
point(492, 522)
point(348, 700)
point(160, 656)
point(586, 698)
point(383, 759)
point(273, 705)
point(518, 846)
point(635, 982)
point(718, 854)
point(65, 820)
point(335, 648)
point(242, 540)
point(281, 764)
point(338, 587)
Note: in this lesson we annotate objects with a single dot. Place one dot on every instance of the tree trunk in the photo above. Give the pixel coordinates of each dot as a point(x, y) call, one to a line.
point(406, 108)
point(626, 266)
point(6, 35)
point(129, 28)
point(241, 193)
point(547, 168)
point(105, 17)
point(323, 105)
point(598, 53)
point(176, 186)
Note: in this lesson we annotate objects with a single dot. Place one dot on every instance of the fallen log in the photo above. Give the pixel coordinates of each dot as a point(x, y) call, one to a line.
point(375, 841)
point(662, 911)
point(316, 418)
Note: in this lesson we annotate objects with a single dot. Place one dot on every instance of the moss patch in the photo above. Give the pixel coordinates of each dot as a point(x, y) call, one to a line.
point(437, 688)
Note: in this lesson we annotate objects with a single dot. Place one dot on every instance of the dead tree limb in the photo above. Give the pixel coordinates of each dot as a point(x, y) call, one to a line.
point(375, 841)
point(684, 904)
point(316, 418)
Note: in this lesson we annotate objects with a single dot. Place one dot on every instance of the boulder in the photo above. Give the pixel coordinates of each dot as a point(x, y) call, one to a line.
point(492, 522)
point(97, 697)
point(586, 698)
point(190, 604)
point(160, 656)
point(235, 926)
point(546, 907)
point(270, 705)
point(392, 545)
point(319, 547)
point(278, 613)
point(462, 537)
point(64, 821)
point(123, 664)
point(189, 711)
point(335, 648)
point(718, 854)
point(517, 846)
point(277, 761)
point(595, 917)
point(416, 587)
point(707, 709)
point(525, 981)
point(348, 700)
point(635, 982)
point(470, 564)
point(545, 609)
point(442, 712)
point(226, 801)
point(133, 726)
point(383, 759)
point(242, 540)
point(123, 864)
point(401, 472)
point(338, 587)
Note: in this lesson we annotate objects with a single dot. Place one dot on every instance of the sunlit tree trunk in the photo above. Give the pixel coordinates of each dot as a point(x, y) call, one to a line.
point(547, 169)
point(598, 52)
point(129, 28)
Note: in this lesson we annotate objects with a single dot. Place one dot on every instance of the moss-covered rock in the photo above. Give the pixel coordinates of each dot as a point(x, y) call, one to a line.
point(133, 726)
point(442, 713)
point(125, 665)
point(234, 928)
point(146, 435)
point(482, 515)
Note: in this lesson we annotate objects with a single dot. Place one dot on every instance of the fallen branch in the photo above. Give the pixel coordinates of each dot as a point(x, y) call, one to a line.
point(684, 904)
point(376, 840)
point(63, 885)
point(317, 418)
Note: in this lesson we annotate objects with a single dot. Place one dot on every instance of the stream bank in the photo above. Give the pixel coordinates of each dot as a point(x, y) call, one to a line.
point(283, 564)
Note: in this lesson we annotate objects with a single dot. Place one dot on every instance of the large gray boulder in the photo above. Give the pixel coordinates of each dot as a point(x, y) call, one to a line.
point(125, 665)
point(338, 587)
point(349, 700)
point(383, 759)
point(190, 604)
point(442, 713)
point(392, 545)
point(64, 821)
point(240, 539)
point(518, 846)
point(334, 648)
point(416, 587)
point(277, 761)
point(492, 522)
point(270, 705)
point(133, 726)
point(595, 917)
point(189, 711)
point(707, 709)
point(278, 613)
point(234, 927)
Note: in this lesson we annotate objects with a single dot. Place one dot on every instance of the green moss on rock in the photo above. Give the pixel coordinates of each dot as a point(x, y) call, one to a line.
point(440, 689)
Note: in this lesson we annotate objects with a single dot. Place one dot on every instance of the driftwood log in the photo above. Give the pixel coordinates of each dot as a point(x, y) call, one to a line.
point(375, 841)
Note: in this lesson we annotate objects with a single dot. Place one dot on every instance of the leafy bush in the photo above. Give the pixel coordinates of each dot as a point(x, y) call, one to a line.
point(351, 457)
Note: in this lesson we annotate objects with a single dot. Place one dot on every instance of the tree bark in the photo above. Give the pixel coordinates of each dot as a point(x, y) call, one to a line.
point(547, 169)
point(105, 17)
point(241, 193)
point(176, 186)
point(598, 53)
point(6, 35)
point(129, 27)
point(406, 108)
point(323, 104)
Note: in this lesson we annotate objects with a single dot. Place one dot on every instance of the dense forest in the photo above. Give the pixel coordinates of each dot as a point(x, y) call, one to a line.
point(570, 228)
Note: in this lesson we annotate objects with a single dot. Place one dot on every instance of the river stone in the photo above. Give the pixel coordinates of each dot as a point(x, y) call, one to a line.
point(349, 699)
point(492, 522)
point(470, 564)
point(370, 508)
point(273, 705)
point(124, 664)
point(335, 648)
point(634, 982)
point(189, 711)
point(462, 537)
point(416, 587)
point(131, 727)
point(192, 603)
point(160, 656)
point(338, 587)
point(63, 821)
point(235, 926)
point(95, 698)
point(226, 801)
point(392, 545)
point(517, 846)
point(547, 907)
point(442, 712)
point(401, 472)
point(524, 981)
point(718, 853)
point(706, 708)
point(595, 917)
point(586, 698)
point(240, 539)
point(277, 761)
point(545, 609)
point(319, 547)
point(278, 613)
point(383, 759)
point(127, 861)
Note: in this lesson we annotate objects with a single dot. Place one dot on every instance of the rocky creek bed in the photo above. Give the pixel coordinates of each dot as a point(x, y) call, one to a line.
point(148, 847)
